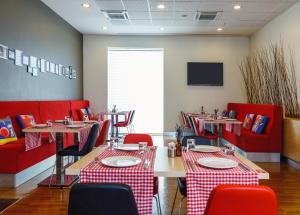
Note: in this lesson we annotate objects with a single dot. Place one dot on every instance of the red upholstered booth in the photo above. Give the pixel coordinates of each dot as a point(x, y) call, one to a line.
point(13, 157)
point(270, 140)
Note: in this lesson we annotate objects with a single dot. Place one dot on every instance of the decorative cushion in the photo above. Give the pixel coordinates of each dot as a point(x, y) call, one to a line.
point(248, 122)
point(259, 124)
point(185, 120)
point(231, 114)
point(85, 113)
point(26, 121)
point(7, 133)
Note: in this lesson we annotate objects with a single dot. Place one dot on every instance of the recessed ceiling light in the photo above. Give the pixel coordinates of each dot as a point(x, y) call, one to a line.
point(162, 28)
point(86, 5)
point(237, 7)
point(161, 6)
point(104, 28)
point(219, 29)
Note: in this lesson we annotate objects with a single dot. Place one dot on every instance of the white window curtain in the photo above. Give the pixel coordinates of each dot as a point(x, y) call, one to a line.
point(135, 82)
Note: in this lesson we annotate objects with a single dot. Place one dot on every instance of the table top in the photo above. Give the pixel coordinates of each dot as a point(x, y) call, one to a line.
point(57, 128)
point(163, 167)
point(114, 113)
point(222, 121)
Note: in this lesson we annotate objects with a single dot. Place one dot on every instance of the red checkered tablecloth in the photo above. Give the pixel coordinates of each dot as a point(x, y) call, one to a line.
point(137, 177)
point(203, 180)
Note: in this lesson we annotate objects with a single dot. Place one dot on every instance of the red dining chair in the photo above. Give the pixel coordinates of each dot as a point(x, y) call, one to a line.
point(136, 138)
point(241, 199)
point(125, 123)
point(103, 132)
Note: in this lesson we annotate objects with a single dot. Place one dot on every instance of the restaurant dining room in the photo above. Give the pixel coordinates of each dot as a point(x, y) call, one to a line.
point(149, 107)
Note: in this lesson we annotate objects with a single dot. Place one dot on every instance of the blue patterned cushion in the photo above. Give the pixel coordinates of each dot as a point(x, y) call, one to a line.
point(259, 124)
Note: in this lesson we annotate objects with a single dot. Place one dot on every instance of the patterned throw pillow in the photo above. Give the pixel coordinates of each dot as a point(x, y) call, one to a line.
point(259, 124)
point(85, 114)
point(26, 121)
point(231, 114)
point(7, 133)
point(248, 122)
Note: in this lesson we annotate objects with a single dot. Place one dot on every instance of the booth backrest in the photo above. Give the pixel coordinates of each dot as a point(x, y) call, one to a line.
point(15, 108)
point(41, 110)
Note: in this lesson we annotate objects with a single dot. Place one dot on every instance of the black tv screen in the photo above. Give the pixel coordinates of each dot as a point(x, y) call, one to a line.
point(204, 73)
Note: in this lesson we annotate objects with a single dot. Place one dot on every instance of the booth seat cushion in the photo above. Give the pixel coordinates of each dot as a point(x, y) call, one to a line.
point(76, 105)
point(14, 158)
point(13, 109)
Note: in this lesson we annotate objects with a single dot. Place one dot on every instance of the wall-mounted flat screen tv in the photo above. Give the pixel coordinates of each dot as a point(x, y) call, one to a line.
point(205, 73)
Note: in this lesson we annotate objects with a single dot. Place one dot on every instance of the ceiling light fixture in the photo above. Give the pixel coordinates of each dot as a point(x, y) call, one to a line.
point(86, 5)
point(104, 28)
point(161, 6)
point(162, 28)
point(219, 29)
point(237, 7)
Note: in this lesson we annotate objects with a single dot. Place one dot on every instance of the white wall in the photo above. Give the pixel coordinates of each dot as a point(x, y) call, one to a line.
point(285, 27)
point(178, 51)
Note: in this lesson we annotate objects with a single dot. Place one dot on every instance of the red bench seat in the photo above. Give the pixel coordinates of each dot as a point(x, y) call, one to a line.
point(271, 139)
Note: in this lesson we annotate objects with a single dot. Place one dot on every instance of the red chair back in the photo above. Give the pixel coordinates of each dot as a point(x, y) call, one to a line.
point(241, 199)
point(136, 138)
point(103, 132)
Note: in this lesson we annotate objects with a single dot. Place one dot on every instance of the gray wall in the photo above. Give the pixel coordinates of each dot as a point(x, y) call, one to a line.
point(32, 27)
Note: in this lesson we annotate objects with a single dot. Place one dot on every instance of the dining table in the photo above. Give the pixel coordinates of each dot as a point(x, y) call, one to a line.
point(165, 166)
point(219, 122)
point(114, 120)
point(58, 130)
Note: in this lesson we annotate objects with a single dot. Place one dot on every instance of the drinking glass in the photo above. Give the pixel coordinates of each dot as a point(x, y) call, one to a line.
point(114, 143)
point(190, 143)
point(143, 146)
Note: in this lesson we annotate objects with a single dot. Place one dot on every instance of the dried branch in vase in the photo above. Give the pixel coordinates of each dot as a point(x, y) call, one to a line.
point(270, 79)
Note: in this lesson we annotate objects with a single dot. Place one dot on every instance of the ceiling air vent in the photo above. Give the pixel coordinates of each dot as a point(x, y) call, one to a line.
point(206, 15)
point(116, 14)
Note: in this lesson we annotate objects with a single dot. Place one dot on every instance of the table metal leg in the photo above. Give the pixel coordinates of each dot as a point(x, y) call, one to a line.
point(59, 179)
point(219, 135)
point(59, 159)
point(112, 129)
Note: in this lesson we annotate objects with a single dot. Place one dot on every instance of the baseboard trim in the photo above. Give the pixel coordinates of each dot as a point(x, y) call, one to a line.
point(293, 164)
point(15, 180)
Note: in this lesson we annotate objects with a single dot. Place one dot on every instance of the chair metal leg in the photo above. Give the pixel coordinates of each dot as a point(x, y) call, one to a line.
point(180, 205)
point(157, 204)
point(174, 200)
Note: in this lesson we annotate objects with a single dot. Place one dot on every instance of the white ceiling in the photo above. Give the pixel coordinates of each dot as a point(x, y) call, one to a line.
point(146, 18)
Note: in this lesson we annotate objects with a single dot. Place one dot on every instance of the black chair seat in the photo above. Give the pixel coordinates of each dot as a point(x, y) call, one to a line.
point(102, 199)
point(181, 182)
point(72, 150)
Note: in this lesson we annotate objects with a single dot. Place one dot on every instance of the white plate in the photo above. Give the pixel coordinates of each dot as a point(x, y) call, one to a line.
point(74, 126)
point(128, 147)
point(90, 122)
point(217, 163)
point(229, 119)
point(209, 119)
point(121, 161)
point(40, 126)
point(60, 121)
point(206, 149)
point(224, 117)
